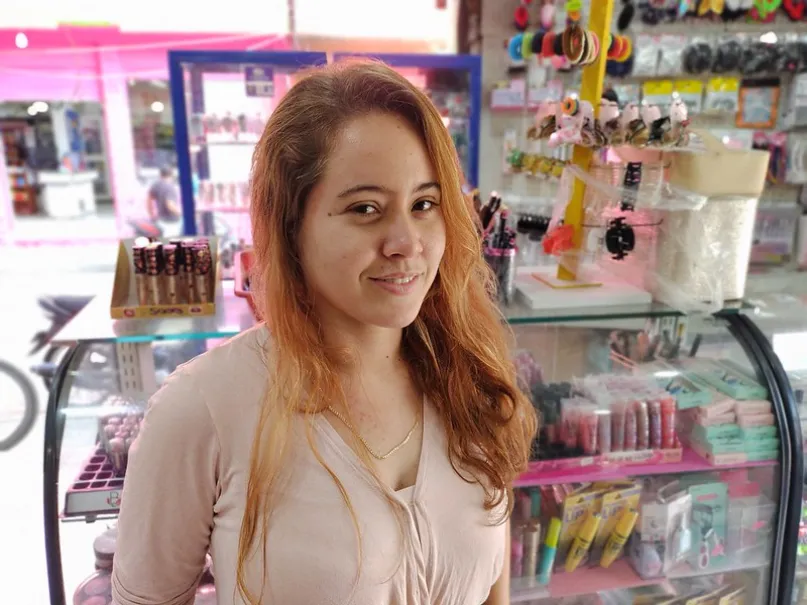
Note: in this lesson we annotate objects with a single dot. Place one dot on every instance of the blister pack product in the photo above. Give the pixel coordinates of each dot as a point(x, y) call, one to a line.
point(671, 55)
point(646, 51)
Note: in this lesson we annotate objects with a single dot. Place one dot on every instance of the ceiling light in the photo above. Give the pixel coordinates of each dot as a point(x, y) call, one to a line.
point(40, 106)
point(32, 110)
point(157, 107)
point(21, 40)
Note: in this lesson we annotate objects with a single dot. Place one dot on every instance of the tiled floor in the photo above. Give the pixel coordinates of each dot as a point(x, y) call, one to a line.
point(24, 275)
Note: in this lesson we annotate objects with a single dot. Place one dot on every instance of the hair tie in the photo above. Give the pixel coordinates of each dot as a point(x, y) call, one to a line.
point(570, 106)
point(514, 48)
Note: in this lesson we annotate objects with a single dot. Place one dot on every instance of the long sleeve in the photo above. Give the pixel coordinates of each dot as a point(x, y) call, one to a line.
point(170, 490)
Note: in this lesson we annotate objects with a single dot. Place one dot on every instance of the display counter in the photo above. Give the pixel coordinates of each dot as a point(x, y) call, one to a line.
point(67, 194)
point(580, 354)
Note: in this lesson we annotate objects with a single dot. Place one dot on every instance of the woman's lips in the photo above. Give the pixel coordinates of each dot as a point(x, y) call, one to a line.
point(397, 283)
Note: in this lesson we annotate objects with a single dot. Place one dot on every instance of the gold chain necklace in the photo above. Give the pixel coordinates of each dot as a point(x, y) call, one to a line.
point(372, 452)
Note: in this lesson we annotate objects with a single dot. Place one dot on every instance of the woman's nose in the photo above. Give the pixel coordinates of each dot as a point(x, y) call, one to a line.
point(402, 237)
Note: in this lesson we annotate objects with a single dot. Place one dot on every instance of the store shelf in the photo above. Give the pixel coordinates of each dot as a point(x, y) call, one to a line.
point(620, 575)
point(517, 313)
point(690, 463)
point(94, 324)
point(95, 492)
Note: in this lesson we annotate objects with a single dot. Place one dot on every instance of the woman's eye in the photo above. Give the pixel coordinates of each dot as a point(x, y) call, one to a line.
point(424, 205)
point(364, 209)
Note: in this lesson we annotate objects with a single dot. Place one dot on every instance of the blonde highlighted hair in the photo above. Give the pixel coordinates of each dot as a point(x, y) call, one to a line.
point(457, 348)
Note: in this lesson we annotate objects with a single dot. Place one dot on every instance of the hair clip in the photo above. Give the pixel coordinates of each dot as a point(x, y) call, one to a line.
point(574, 9)
point(574, 119)
point(625, 16)
point(795, 9)
point(679, 120)
point(620, 237)
point(607, 123)
point(558, 240)
point(545, 120)
point(521, 18)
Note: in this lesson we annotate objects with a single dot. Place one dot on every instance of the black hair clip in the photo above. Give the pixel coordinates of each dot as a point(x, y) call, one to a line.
point(620, 237)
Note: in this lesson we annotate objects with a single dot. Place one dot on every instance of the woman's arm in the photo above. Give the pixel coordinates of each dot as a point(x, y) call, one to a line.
point(500, 591)
point(168, 498)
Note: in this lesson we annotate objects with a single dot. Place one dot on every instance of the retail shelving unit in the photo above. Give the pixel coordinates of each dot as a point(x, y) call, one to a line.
point(107, 357)
point(454, 84)
point(221, 101)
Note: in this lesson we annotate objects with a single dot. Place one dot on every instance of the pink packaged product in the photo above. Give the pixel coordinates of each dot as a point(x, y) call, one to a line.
point(729, 418)
point(751, 420)
point(752, 407)
point(727, 406)
point(95, 590)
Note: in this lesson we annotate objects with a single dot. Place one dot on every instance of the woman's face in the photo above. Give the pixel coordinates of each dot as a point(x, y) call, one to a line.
point(373, 233)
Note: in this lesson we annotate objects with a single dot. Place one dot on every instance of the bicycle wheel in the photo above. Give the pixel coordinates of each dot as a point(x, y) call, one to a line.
point(18, 406)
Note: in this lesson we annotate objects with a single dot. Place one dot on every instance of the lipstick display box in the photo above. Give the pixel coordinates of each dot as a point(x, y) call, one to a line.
point(159, 289)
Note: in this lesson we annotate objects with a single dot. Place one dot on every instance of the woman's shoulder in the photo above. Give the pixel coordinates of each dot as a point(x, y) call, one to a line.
point(227, 380)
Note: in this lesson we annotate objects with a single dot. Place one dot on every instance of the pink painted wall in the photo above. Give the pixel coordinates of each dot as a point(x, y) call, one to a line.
point(62, 64)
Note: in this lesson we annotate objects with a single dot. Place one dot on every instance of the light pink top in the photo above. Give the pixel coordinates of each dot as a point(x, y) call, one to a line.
point(185, 493)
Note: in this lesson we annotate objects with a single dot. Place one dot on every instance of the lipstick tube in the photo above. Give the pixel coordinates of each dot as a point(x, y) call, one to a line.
point(531, 541)
point(141, 285)
point(171, 274)
point(153, 267)
point(188, 263)
point(642, 426)
point(202, 266)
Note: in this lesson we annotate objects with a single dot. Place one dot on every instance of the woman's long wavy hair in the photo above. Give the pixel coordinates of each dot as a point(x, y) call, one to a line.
point(457, 348)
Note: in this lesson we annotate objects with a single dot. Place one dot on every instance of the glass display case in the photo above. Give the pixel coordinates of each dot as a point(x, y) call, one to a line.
point(662, 467)
point(221, 101)
point(780, 321)
point(454, 84)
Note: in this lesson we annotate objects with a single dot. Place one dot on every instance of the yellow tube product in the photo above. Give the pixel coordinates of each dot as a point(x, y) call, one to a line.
point(583, 541)
point(618, 538)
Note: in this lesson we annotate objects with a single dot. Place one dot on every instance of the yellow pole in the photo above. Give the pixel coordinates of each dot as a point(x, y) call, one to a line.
point(599, 22)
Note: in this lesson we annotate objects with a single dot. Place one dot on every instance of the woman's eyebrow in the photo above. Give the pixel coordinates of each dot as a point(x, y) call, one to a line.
point(379, 189)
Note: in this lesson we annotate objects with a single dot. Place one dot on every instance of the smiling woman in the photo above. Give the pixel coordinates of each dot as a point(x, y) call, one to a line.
point(359, 448)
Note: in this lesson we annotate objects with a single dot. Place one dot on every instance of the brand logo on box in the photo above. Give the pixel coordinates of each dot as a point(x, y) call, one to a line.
point(129, 312)
point(195, 310)
point(166, 311)
point(113, 499)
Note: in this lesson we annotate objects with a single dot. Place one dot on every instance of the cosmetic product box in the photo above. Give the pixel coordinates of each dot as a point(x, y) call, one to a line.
point(709, 523)
point(124, 301)
point(716, 459)
point(662, 537)
point(748, 421)
point(618, 498)
point(750, 522)
point(721, 445)
point(758, 432)
point(687, 392)
point(760, 406)
point(728, 380)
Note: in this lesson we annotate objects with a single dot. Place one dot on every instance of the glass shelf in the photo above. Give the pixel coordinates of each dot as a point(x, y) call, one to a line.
point(94, 324)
